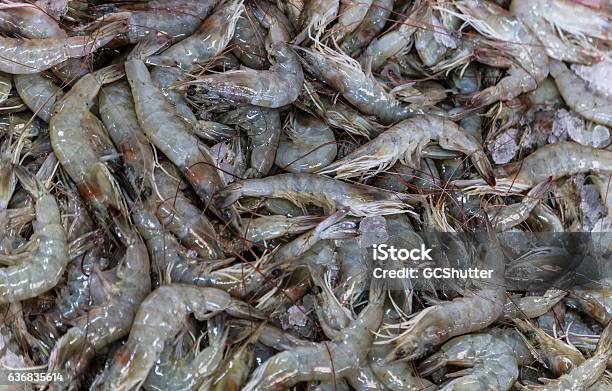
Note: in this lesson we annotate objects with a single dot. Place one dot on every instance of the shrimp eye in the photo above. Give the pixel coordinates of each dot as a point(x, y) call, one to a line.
point(275, 273)
point(316, 290)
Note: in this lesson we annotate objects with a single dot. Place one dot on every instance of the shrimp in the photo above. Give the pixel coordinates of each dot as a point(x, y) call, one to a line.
point(9, 154)
point(586, 374)
point(329, 194)
point(184, 219)
point(550, 20)
point(119, 117)
point(40, 269)
point(39, 93)
point(350, 16)
point(532, 306)
point(263, 127)
point(358, 88)
point(276, 87)
point(169, 133)
point(490, 363)
point(394, 42)
point(508, 216)
point(530, 62)
point(323, 361)
point(550, 162)
point(189, 372)
point(372, 24)
point(306, 145)
point(74, 132)
point(159, 318)
point(248, 41)
point(26, 56)
point(124, 288)
point(596, 301)
point(272, 227)
point(590, 104)
point(208, 41)
point(404, 143)
point(433, 40)
point(558, 356)
point(315, 16)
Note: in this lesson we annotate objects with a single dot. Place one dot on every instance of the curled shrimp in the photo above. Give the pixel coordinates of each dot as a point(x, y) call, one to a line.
point(576, 93)
point(248, 41)
point(161, 316)
point(273, 88)
point(530, 62)
point(371, 25)
point(404, 142)
point(330, 194)
point(25, 56)
point(490, 363)
point(550, 162)
point(306, 145)
point(511, 215)
point(41, 269)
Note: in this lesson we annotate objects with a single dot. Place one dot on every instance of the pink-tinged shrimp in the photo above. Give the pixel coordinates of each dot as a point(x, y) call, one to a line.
point(350, 15)
point(372, 24)
point(123, 289)
point(404, 142)
point(530, 61)
point(329, 194)
point(550, 162)
point(40, 269)
point(159, 318)
point(276, 87)
point(164, 128)
point(75, 134)
point(25, 56)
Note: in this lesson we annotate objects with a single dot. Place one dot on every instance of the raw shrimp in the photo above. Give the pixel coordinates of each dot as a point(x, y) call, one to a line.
point(315, 16)
point(532, 306)
point(176, 212)
point(550, 162)
point(159, 318)
point(263, 128)
point(433, 40)
point(350, 16)
point(123, 289)
point(325, 360)
point(169, 133)
point(272, 227)
point(490, 363)
point(208, 41)
point(358, 88)
point(394, 42)
point(248, 41)
point(39, 93)
point(40, 269)
point(404, 143)
point(372, 24)
point(75, 133)
point(576, 93)
point(529, 60)
point(25, 56)
point(558, 356)
point(276, 87)
point(330, 194)
point(307, 144)
point(119, 117)
point(509, 216)
point(595, 301)
point(586, 374)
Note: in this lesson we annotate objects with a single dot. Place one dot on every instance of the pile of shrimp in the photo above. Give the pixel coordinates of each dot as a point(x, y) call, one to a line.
point(190, 191)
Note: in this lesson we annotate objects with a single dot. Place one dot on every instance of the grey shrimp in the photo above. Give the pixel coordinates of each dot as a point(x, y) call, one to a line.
point(25, 56)
point(509, 216)
point(358, 88)
point(108, 320)
point(350, 16)
point(41, 269)
point(119, 117)
point(490, 363)
point(161, 316)
point(404, 142)
point(273, 88)
point(169, 133)
point(330, 194)
point(248, 41)
point(372, 24)
point(71, 128)
point(276, 226)
point(325, 360)
point(39, 93)
point(576, 93)
point(315, 16)
point(532, 306)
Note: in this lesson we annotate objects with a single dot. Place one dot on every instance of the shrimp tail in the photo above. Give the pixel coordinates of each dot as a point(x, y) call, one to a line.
point(605, 341)
point(483, 165)
point(108, 32)
point(229, 195)
point(110, 73)
point(29, 182)
point(148, 46)
point(241, 309)
point(69, 347)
